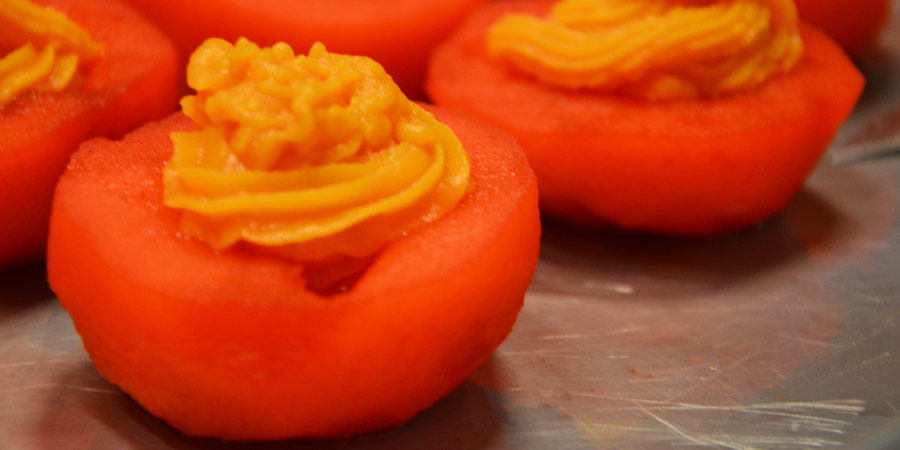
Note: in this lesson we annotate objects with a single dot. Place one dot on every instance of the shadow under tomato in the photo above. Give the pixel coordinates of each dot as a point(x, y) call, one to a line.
point(21, 289)
point(611, 261)
point(108, 418)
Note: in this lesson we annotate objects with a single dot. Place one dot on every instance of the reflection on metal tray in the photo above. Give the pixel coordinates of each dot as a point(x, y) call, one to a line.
point(784, 336)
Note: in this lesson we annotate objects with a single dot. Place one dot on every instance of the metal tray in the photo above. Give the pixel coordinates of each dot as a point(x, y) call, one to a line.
point(783, 336)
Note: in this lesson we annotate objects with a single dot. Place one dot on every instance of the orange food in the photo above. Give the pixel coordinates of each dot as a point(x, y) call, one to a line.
point(233, 344)
point(399, 34)
point(132, 81)
point(313, 156)
point(45, 49)
point(652, 49)
point(692, 166)
point(855, 25)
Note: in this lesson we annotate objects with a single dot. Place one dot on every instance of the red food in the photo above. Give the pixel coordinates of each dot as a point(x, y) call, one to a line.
point(399, 34)
point(690, 167)
point(232, 344)
point(853, 24)
point(134, 81)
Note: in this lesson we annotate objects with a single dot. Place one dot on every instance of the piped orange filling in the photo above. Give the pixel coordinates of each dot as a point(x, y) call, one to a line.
point(653, 49)
point(42, 49)
point(311, 157)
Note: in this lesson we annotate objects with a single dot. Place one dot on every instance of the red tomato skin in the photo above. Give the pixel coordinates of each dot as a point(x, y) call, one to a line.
point(399, 34)
point(855, 25)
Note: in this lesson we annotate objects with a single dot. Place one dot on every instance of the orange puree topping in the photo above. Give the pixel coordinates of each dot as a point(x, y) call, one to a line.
point(42, 49)
point(309, 156)
point(653, 49)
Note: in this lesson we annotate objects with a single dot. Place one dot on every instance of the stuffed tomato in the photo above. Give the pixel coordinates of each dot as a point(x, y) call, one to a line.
point(399, 34)
point(75, 69)
point(664, 153)
point(231, 340)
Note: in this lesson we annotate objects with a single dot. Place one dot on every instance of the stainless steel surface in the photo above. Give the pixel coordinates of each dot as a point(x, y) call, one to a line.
point(784, 336)
point(877, 148)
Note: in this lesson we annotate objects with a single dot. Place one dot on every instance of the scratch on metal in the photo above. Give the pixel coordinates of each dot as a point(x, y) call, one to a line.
point(760, 436)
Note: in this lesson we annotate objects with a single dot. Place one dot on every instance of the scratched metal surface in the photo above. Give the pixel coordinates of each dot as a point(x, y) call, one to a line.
point(784, 336)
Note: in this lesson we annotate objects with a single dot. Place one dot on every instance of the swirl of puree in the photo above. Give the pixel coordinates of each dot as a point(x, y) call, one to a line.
point(42, 47)
point(653, 49)
point(311, 157)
